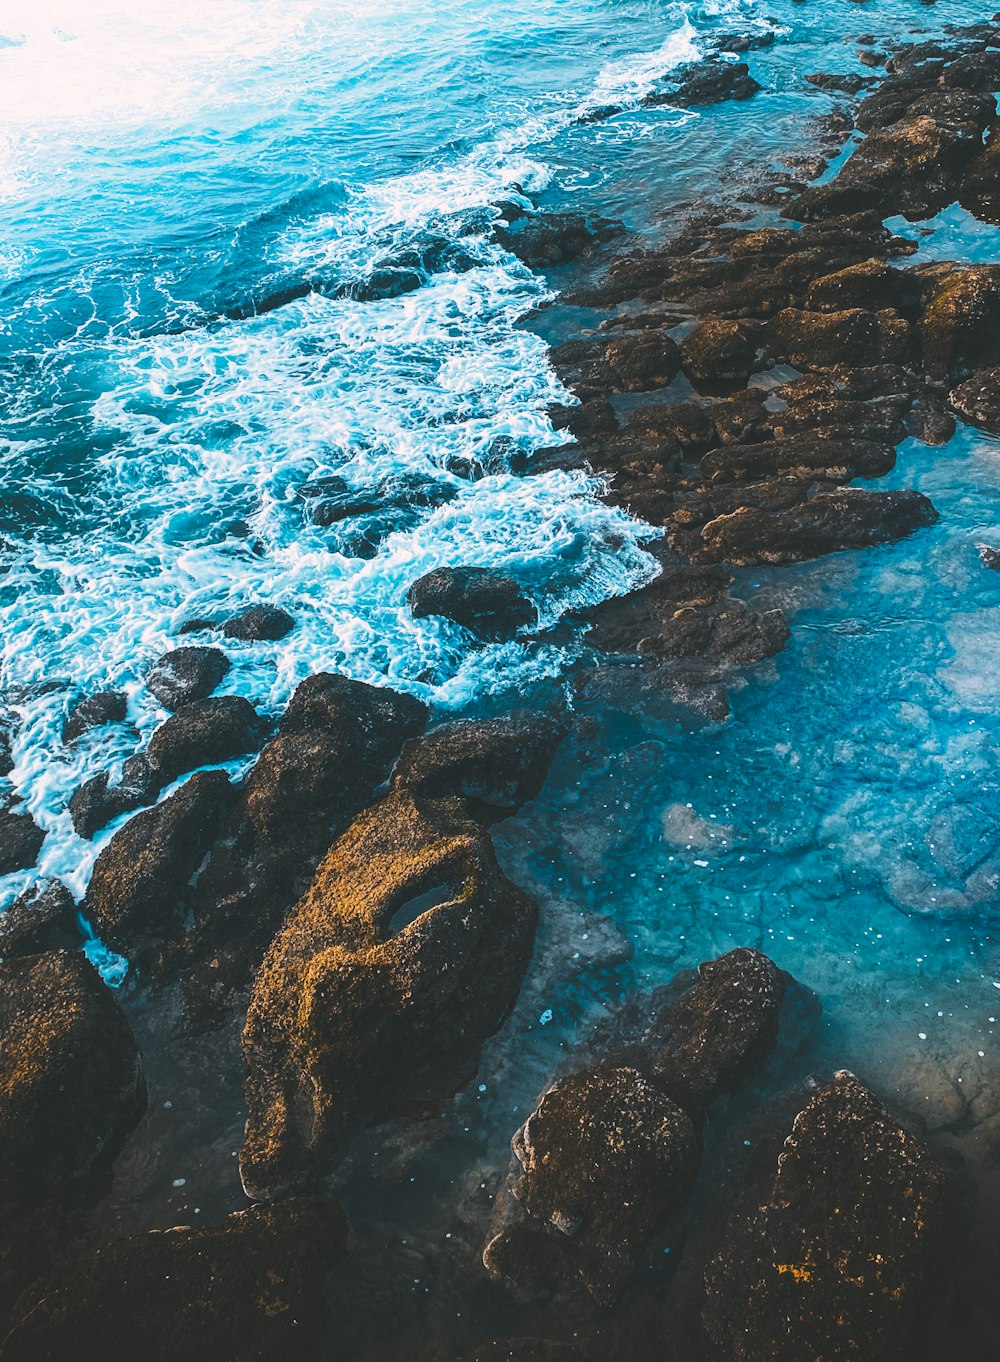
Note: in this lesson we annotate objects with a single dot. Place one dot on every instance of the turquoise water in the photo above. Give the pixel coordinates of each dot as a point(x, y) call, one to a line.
point(163, 172)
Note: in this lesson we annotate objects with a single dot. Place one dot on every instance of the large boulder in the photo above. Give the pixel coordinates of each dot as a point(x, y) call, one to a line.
point(137, 896)
point(868, 284)
point(187, 674)
point(71, 1084)
point(43, 918)
point(480, 599)
point(600, 1162)
point(20, 838)
point(847, 518)
point(404, 954)
point(99, 800)
point(500, 763)
point(833, 458)
point(960, 327)
point(203, 733)
point(720, 352)
point(250, 1289)
point(850, 1251)
point(977, 401)
point(719, 1029)
point(825, 341)
point(634, 362)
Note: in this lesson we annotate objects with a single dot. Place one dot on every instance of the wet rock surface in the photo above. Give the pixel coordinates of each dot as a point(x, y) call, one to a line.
point(43, 918)
point(850, 1251)
point(94, 711)
point(187, 674)
point(404, 954)
point(20, 838)
point(250, 1287)
point(259, 623)
point(480, 599)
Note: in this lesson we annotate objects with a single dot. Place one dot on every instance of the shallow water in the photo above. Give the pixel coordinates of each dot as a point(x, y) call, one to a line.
point(157, 172)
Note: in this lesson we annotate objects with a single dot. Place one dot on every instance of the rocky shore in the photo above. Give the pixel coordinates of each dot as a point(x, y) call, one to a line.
point(334, 929)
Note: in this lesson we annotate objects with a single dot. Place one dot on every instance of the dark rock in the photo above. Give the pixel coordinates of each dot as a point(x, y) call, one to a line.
point(552, 238)
point(719, 1030)
point(187, 674)
point(837, 459)
point(97, 801)
point(706, 83)
point(981, 190)
point(43, 918)
point(848, 83)
point(501, 763)
point(929, 422)
point(721, 351)
point(977, 401)
point(404, 954)
point(836, 418)
point(478, 598)
point(960, 328)
point(251, 1287)
point(72, 1076)
point(601, 1161)
point(851, 1251)
point(257, 623)
point(728, 634)
point(870, 284)
point(589, 418)
point(137, 890)
point(106, 707)
point(6, 755)
point(641, 362)
point(830, 340)
point(204, 732)
point(848, 518)
point(20, 840)
point(989, 557)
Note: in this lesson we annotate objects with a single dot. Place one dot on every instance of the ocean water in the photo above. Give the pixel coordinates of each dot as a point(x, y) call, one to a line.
point(164, 169)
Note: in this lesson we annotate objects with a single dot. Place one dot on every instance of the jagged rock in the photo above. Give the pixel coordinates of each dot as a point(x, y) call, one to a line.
point(720, 351)
point(989, 557)
point(71, 1074)
point(106, 707)
point(848, 518)
point(916, 166)
point(187, 674)
point(43, 918)
point(137, 890)
point(838, 459)
point(259, 623)
point(480, 599)
point(981, 190)
point(641, 362)
point(404, 954)
point(928, 422)
point(871, 284)
point(720, 1028)
point(97, 801)
point(960, 328)
point(251, 1287)
point(829, 340)
point(204, 732)
point(600, 1162)
point(978, 401)
point(6, 755)
point(708, 82)
point(552, 238)
point(500, 763)
point(849, 1253)
point(20, 839)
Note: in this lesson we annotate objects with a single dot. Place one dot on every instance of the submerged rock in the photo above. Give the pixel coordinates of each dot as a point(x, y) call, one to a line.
point(187, 674)
point(94, 711)
point(552, 238)
point(43, 918)
point(601, 1161)
point(851, 1250)
point(251, 1287)
point(477, 598)
point(259, 623)
point(404, 954)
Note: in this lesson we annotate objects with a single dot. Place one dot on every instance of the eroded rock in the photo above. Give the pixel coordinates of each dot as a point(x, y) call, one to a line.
point(94, 711)
point(43, 918)
point(259, 623)
point(480, 599)
point(404, 954)
point(187, 674)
